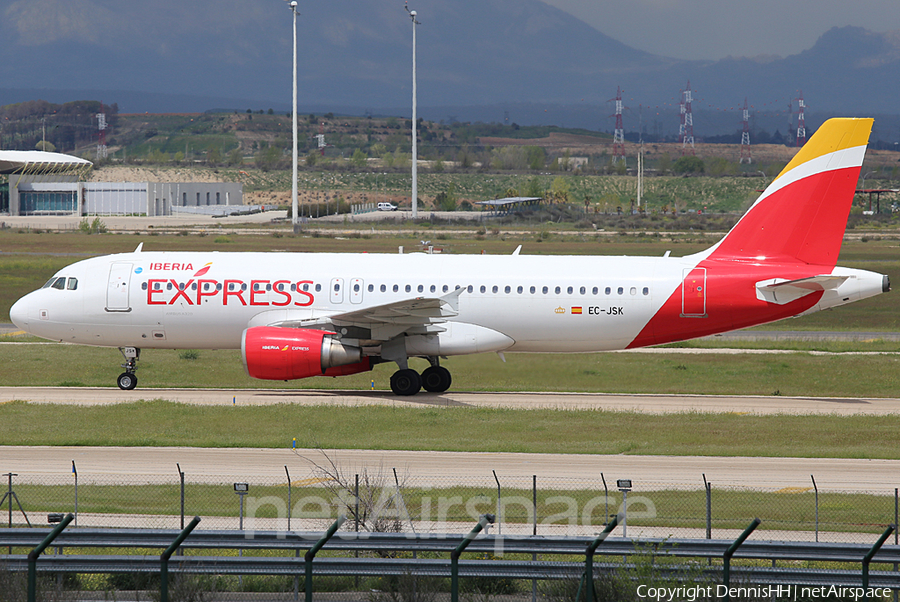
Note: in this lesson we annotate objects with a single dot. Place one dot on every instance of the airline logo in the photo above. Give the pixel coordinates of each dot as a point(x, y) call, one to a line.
point(202, 271)
point(279, 293)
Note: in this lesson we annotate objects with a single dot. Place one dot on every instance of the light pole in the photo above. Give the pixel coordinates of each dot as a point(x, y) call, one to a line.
point(415, 159)
point(295, 220)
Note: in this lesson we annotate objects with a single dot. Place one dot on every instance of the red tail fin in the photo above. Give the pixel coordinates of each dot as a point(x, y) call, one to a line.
point(802, 214)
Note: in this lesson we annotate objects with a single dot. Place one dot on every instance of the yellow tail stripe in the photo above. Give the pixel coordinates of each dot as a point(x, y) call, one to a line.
point(834, 135)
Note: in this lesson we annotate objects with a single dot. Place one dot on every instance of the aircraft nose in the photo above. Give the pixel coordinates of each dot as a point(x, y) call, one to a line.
point(18, 313)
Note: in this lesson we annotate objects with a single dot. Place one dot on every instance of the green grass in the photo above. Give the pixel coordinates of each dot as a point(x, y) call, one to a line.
point(162, 423)
point(791, 374)
point(732, 509)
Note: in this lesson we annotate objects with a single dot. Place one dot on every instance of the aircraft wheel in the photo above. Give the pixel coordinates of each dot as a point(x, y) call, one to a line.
point(436, 379)
point(127, 381)
point(406, 382)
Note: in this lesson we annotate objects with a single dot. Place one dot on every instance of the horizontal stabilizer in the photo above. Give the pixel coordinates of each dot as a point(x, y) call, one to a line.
point(782, 291)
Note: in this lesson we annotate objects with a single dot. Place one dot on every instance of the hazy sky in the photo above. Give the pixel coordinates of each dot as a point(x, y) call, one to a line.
point(714, 29)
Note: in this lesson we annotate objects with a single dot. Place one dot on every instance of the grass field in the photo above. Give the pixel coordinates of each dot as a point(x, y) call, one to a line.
point(161, 423)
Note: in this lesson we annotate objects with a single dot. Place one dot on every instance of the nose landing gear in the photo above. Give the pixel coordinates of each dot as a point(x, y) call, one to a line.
point(128, 380)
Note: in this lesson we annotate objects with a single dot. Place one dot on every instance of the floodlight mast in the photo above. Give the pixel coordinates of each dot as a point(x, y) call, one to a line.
point(295, 219)
point(415, 158)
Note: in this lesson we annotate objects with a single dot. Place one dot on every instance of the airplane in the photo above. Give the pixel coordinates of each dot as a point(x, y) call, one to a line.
point(300, 315)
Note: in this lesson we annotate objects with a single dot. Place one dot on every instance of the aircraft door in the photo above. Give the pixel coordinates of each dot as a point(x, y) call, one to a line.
point(693, 293)
point(337, 290)
point(117, 287)
point(356, 290)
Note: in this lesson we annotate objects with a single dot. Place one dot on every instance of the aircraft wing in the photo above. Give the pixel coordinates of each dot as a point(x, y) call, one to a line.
point(784, 291)
point(419, 315)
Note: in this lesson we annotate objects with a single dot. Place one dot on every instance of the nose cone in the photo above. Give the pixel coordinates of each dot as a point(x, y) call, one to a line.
point(18, 313)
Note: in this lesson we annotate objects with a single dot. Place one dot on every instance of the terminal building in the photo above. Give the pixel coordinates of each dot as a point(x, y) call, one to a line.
point(41, 183)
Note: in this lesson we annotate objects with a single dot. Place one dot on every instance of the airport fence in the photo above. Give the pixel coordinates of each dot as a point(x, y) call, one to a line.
point(388, 501)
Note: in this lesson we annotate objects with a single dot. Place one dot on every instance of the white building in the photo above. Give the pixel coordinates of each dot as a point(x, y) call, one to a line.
point(41, 183)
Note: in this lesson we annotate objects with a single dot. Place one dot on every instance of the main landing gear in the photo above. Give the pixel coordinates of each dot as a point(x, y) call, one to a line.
point(435, 379)
point(128, 380)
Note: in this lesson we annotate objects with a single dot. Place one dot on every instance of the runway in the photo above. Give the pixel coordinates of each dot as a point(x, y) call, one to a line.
point(656, 404)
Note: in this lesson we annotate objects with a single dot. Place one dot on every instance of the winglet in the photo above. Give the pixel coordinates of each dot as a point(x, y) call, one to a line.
point(139, 248)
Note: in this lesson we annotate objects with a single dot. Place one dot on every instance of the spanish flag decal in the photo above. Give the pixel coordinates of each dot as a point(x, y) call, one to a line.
point(576, 310)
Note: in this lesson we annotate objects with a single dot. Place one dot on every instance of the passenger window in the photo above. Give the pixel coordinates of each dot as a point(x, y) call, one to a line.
point(206, 286)
point(620, 290)
point(519, 289)
point(470, 288)
point(408, 288)
point(143, 286)
point(371, 288)
point(569, 290)
point(158, 286)
point(531, 290)
point(495, 288)
point(506, 289)
point(545, 290)
point(268, 287)
point(72, 284)
point(337, 287)
point(595, 290)
point(356, 288)
point(169, 286)
point(420, 288)
point(557, 290)
point(193, 286)
point(633, 290)
point(383, 288)
point(582, 290)
point(433, 288)
point(396, 288)
point(306, 287)
point(445, 288)
point(219, 286)
point(607, 290)
point(483, 289)
point(646, 291)
point(244, 286)
point(318, 288)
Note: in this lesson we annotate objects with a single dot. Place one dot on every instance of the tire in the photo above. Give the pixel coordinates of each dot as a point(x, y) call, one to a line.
point(436, 379)
point(406, 382)
point(127, 381)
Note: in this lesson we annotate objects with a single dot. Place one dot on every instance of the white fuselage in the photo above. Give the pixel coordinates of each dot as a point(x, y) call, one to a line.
point(514, 302)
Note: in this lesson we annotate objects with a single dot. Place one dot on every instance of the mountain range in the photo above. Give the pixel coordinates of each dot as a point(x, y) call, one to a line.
point(476, 60)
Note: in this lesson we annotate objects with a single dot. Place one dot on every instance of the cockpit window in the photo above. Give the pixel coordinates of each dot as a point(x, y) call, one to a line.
point(59, 284)
point(72, 284)
point(49, 283)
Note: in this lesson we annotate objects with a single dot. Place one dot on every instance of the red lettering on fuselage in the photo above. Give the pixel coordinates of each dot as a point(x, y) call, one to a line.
point(201, 285)
point(278, 288)
point(181, 292)
point(171, 266)
point(257, 288)
point(309, 297)
point(206, 289)
point(227, 292)
point(152, 290)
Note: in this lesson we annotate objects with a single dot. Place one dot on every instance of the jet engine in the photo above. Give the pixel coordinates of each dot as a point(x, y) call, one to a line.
point(276, 353)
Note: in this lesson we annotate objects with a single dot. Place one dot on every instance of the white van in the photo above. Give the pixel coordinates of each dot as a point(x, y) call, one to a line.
point(386, 207)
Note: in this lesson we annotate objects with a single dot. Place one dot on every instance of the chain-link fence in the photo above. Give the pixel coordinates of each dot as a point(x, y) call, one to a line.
point(388, 501)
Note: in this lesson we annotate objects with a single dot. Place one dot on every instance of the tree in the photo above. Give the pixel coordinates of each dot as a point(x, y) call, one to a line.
point(559, 189)
point(358, 159)
point(689, 164)
point(534, 188)
point(536, 157)
point(45, 145)
point(446, 200)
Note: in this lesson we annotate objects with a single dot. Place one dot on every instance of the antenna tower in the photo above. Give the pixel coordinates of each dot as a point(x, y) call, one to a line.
point(321, 138)
point(619, 136)
point(687, 120)
point(801, 121)
point(102, 151)
point(745, 136)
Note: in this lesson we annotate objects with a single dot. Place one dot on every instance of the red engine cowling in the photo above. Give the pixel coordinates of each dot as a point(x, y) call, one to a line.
point(275, 353)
